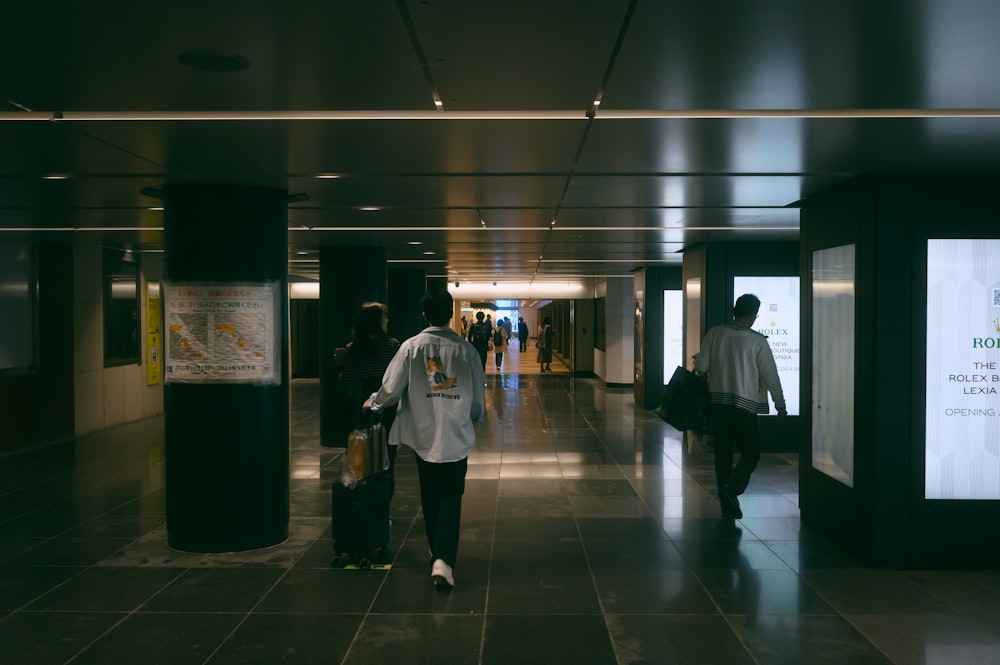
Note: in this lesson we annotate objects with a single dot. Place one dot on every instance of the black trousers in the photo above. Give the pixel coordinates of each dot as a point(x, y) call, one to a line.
point(441, 488)
point(735, 429)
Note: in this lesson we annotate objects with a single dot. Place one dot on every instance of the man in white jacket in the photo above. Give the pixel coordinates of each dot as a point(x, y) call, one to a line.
point(741, 371)
point(437, 378)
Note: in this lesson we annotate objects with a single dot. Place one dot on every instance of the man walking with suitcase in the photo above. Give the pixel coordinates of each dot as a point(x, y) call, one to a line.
point(438, 380)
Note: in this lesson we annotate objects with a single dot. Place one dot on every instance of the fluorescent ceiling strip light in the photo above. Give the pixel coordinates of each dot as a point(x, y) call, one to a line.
point(622, 260)
point(543, 278)
point(187, 116)
point(602, 114)
point(579, 229)
point(83, 228)
point(520, 229)
point(330, 229)
point(30, 116)
point(804, 114)
point(23, 229)
point(119, 228)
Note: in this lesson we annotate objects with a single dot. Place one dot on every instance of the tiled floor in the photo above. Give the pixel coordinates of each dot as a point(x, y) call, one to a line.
point(590, 536)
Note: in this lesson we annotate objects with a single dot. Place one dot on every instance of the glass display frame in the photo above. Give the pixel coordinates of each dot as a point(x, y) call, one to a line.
point(833, 361)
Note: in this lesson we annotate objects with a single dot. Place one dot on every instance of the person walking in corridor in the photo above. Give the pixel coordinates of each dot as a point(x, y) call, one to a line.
point(362, 363)
point(522, 334)
point(501, 339)
point(545, 345)
point(741, 371)
point(438, 381)
point(479, 335)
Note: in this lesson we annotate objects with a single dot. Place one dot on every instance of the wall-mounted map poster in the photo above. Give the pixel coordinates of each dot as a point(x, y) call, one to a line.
point(221, 332)
point(963, 370)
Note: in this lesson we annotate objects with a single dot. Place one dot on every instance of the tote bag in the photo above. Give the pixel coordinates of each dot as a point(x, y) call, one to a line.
point(684, 402)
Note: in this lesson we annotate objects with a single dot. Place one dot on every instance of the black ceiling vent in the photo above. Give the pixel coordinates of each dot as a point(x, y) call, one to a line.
point(152, 192)
point(298, 197)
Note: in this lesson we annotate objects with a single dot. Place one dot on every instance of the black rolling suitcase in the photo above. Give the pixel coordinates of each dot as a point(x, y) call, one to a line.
point(361, 522)
point(360, 502)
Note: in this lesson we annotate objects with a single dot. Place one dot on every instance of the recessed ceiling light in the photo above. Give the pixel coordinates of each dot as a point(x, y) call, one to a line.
point(428, 253)
point(370, 208)
point(327, 176)
point(55, 176)
point(414, 242)
point(213, 61)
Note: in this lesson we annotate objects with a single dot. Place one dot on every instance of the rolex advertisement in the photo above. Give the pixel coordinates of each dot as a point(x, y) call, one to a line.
point(963, 370)
point(778, 320)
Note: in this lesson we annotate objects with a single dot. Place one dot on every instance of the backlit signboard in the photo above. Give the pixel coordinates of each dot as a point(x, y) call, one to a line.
point(778, 320)
point(963, 370)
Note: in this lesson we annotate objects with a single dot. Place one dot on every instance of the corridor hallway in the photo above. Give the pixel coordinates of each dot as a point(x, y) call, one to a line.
point(523, 362)
point(589, 536)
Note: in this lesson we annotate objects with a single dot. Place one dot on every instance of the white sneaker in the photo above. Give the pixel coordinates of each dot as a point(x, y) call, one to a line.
point(441, 574)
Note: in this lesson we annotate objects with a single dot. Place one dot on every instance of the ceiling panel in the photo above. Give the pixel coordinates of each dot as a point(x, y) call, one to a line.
point(817, 54)
point(733, 146)
point(685, 190)
point(488, 196)
point(434, 146)
point(472, 191)
point(520, 54)
point(120, 55)
point(41, 148)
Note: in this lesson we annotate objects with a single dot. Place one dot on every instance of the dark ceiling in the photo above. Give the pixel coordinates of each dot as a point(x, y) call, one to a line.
point(715, 119)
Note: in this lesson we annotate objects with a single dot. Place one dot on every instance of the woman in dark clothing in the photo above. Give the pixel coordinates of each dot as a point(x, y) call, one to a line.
point(362, 365)
point(545, 345)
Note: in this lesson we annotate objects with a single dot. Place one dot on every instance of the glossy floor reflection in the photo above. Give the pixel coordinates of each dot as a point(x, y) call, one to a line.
point(590, 536)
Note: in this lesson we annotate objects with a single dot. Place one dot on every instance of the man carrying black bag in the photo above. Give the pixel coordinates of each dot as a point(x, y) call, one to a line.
point(741, 371)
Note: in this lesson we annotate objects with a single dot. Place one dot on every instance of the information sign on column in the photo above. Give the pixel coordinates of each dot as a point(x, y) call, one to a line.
point(154, 334)
point(221, 332)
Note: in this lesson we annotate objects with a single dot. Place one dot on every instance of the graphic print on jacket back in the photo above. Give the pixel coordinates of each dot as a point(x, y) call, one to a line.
point(437, 376)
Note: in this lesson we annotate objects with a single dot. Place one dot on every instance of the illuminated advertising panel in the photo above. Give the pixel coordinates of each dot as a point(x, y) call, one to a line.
point(778, 320)
point(673, 332)
point(963, 370)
